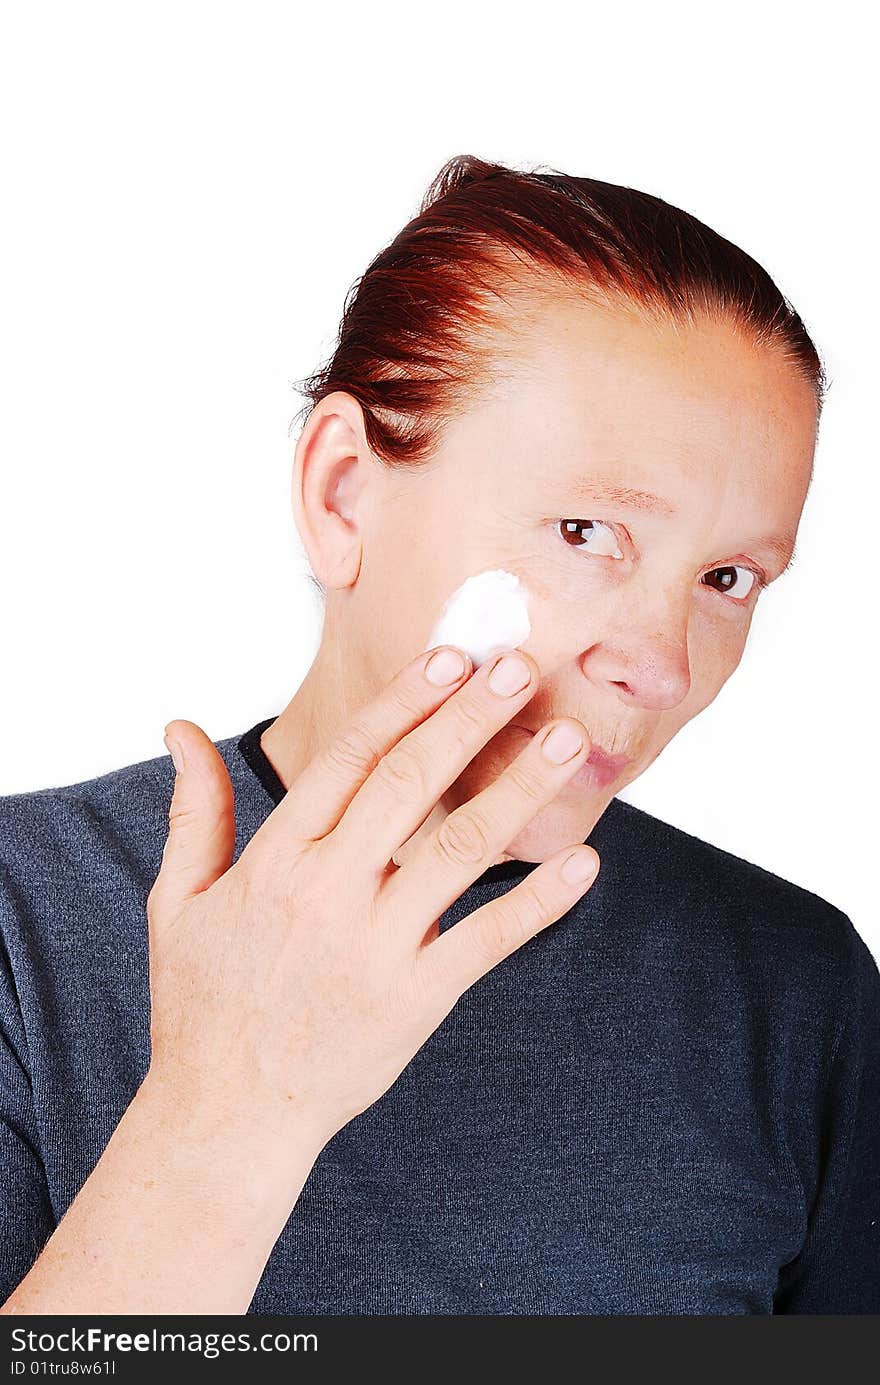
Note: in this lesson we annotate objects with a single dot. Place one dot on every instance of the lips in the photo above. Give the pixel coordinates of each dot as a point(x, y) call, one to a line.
point(600, 767)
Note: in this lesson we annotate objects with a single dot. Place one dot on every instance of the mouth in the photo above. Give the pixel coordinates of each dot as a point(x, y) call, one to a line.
point(599, 769)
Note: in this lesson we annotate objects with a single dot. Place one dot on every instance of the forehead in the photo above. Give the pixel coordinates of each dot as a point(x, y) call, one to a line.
point(603, 383)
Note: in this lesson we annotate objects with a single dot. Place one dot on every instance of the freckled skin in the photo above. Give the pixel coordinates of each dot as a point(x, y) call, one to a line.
point(723, 429)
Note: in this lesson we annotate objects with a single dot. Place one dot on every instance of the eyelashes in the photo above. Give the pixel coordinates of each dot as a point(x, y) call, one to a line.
point(606, 546)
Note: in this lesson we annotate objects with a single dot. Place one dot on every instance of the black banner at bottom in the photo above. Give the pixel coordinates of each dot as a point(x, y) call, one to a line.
point(127, 1348)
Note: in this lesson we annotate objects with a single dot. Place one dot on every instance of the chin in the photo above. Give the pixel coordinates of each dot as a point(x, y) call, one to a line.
point(555, 827)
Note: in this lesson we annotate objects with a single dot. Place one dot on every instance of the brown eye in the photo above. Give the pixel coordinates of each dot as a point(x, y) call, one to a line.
point(596, 539)
point(571, 529)
point(728, 577)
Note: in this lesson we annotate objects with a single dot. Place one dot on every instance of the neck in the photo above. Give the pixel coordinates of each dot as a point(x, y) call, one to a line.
point(319, 709)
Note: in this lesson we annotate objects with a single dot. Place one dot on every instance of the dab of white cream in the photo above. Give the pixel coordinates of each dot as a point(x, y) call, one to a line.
point(487, 613)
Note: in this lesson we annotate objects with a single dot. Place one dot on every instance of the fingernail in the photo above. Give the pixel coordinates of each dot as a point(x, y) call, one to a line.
point(509, 676)
point(563, 742)
point(579, 867)
point(175, 752)
point(444, 667)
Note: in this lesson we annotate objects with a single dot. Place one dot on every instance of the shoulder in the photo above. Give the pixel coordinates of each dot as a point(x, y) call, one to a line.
point(80, 851)
point(130, 802)
point(107, 824)
point(727, 900)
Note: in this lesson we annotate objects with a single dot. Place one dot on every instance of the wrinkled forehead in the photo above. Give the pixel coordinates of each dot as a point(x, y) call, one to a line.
point(647, 399)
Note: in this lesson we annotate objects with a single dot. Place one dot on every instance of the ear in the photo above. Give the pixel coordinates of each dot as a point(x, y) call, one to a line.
point(331, 465)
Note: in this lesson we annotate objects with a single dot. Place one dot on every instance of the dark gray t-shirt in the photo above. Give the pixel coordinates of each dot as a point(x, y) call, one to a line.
point(666, 1102)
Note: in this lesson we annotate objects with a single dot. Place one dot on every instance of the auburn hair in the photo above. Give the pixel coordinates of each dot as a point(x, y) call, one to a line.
point(412, 342)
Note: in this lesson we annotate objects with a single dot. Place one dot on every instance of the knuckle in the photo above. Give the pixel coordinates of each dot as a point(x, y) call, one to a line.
point(404, 771)
point(530, 906)
point(514, 922)
point(462, 839)
point(405, 699)
point(495, 941)
point(179, 814)
point(352, 752)
point(526, 778)
point(262, 871)
point(470, 717)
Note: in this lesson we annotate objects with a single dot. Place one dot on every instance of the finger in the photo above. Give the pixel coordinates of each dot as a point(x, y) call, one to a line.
point(406, 785)
point(201, 816)
point(472, 947)
point(471, 838)
point(320, 794)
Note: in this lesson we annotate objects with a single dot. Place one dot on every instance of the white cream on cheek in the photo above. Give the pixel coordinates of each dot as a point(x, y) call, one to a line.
point(487, 613)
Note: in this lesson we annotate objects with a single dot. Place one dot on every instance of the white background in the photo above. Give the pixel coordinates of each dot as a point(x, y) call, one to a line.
point(191, 189)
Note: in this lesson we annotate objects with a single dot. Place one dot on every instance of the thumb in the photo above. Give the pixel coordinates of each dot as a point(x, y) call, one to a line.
point(201, 817)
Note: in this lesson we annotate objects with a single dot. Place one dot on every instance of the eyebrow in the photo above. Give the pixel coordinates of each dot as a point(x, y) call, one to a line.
point(608, 492)
point(611, 493)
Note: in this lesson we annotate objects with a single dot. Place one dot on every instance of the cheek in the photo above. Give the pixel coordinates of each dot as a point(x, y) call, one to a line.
point(715, 650)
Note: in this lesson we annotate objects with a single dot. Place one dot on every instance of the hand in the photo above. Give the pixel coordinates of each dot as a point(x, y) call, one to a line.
point(294, 986)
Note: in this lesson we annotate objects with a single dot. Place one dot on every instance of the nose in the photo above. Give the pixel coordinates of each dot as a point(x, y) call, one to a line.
point(646, 668)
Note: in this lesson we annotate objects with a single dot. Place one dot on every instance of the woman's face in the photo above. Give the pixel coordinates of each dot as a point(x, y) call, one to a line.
point(641, 480)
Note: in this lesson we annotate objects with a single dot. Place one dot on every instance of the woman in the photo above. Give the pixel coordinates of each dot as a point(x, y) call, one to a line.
point(345, 1064)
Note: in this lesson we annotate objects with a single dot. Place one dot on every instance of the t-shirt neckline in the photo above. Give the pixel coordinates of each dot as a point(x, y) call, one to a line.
point(261, 766)
point(258, 761)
